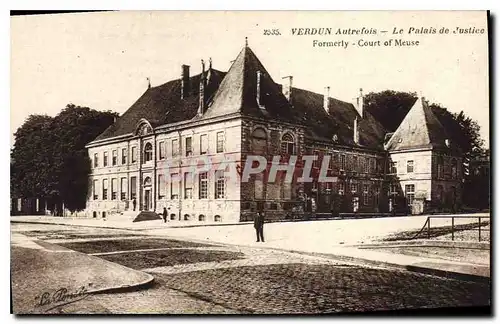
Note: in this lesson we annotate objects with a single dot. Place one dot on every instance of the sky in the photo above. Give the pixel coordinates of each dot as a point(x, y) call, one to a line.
point(103, 60)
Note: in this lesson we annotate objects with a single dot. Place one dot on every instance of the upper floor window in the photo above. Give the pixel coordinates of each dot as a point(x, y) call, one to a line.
point(148, 152)
point(204, 144)
point(342, 162)
point(175, 147)
point(341, 188)
point(259, 141)
point(220, 142)
point(124, 156)
point(189, 146)
point(133, 156)
point(393, 167)
point(105, 159)
point(409, 166)
point(114, 158)
point(287, 144)
point(355, 166)
point(161, 150)
point(96, 160)
point(454, 169)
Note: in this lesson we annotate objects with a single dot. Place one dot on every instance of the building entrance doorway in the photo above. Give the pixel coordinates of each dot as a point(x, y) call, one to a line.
point(147, 195)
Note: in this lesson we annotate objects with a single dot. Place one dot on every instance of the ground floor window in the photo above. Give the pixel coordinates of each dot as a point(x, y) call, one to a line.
point(410, 193)
point(365, 195)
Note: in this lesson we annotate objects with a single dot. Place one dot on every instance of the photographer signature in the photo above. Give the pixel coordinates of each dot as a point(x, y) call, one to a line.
point(60, 297)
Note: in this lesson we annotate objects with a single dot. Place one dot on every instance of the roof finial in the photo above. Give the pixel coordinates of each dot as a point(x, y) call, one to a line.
point(246, 41)
point(209, 63)
point(149, 83)
point(202, 66)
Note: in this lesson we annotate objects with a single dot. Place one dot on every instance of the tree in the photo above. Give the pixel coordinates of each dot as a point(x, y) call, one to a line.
point(389, 107)
point(49, 158)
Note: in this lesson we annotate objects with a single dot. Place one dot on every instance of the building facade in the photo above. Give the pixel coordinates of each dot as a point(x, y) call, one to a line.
point(174, 148)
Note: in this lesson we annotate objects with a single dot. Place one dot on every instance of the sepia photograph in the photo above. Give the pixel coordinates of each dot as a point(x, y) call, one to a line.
point(250, 163)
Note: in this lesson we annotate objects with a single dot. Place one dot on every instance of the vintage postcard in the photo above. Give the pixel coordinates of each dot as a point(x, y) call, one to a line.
point(250, 162)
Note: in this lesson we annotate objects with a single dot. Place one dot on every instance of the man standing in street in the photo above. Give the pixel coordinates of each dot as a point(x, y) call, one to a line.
point(258, 223)
point(165, 214)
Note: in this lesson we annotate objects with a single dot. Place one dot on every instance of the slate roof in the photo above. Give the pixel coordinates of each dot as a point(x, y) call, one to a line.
point(235, 92)
point(163, 105)
point(419, 129)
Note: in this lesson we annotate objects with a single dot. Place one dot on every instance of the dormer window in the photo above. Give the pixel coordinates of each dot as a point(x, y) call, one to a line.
point(145, 129)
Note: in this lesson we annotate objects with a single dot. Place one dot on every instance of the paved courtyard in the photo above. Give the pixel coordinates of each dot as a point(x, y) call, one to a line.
point(216, 278)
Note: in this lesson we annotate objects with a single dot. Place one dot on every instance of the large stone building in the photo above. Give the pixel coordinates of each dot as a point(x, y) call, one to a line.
point(147, 159)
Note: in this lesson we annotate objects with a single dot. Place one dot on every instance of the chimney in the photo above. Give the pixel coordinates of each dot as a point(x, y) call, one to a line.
point(258, 96)
point(184, 81)
point(287, 88)
point(201, 105)
point(356, 130)
point(326, 100)
point(360, 103)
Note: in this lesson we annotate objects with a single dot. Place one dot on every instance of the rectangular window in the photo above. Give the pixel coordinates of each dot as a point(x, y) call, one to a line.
point(114, 159)
point(365, 195)
point(104, 189)
point(161, 150)
point(203, 144)
point(189, 147)
point(410, 194)
point(341, 188)
point(175, 147)
point(393, 167)
point(354, 187)
point(161, 186)
point(220, 142)
point(354, 166)
point(393, 189)
point(174, 186)
point(220, 185)
point(95, 190)
point(133, 158)
point(96, 160)
point(409, 166)
point(123, 189)
point(114, 189)
point(316, 162)
point(124, 156)
point(203, 185)
point(366, 165)
point(133, 187)
point(373, 166)
point(342, 162)
point(188, 185)
point(105, 159)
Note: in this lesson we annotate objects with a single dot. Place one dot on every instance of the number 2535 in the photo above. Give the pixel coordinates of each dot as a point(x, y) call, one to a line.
point(271, 32)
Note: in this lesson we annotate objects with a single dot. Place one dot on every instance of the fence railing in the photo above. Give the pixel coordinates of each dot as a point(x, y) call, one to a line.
point(427, 225)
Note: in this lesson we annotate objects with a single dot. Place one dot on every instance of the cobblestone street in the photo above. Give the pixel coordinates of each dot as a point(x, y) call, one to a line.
point(220, 279)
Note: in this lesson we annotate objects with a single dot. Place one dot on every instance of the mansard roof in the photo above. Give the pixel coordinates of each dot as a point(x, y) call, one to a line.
point(163, 105)
point(419, 129)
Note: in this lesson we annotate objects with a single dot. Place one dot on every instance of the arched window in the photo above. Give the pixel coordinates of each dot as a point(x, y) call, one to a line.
point(201, 218)
point(454, 169)
point(217, 218)
point(259, 141)
point(148, 152)
point(287, 144)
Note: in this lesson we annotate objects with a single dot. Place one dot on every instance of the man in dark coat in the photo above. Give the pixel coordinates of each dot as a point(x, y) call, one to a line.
point(258, 223)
